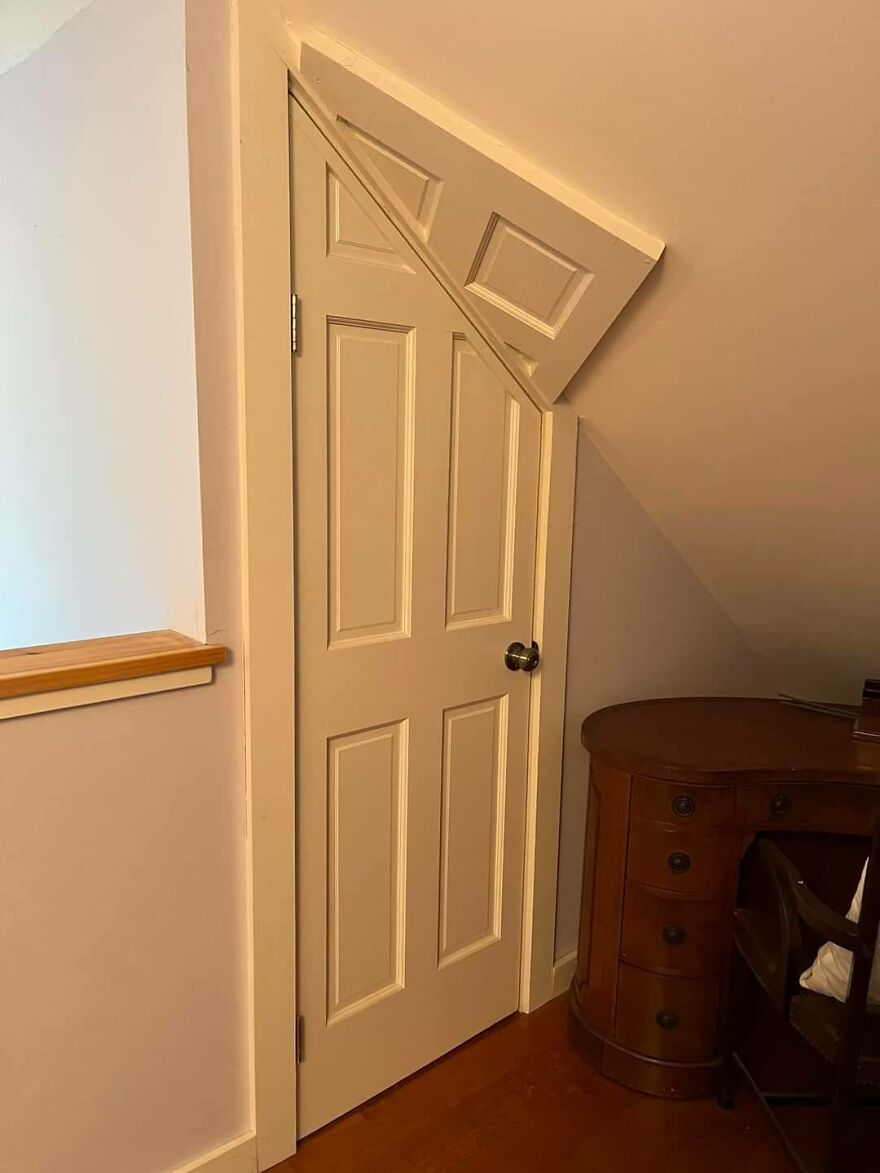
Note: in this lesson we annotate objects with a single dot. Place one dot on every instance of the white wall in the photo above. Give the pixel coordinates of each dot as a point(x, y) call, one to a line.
point(641, 625)
point(100, 528)
point(27, 24)
point(124, 994)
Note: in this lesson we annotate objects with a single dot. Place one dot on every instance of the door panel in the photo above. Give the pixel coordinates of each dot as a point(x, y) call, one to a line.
point(416, 501)
point(370, 411)
point(351, 233)
point(472, 826)
point(366, 787)
point(482, 506)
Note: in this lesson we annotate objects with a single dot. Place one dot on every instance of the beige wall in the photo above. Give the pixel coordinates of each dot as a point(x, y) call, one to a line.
point(641, 625)
point(738, 400)
point(100, 530)
point(25, 26)
point(123, 988)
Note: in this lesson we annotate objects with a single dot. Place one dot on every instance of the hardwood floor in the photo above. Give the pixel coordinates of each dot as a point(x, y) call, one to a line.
point(519, 1100)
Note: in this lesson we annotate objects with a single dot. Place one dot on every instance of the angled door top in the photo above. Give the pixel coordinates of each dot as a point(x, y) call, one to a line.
point(549, 269)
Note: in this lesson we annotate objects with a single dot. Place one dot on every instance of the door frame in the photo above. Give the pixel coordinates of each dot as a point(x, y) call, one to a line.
point(265, 58)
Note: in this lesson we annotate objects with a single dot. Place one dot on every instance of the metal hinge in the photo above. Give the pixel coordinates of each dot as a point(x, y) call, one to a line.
point(294, 332)
point(300, 1043)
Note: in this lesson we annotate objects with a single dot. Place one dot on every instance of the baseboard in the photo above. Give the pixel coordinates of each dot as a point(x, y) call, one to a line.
point(563, 972)
point(236, 1156)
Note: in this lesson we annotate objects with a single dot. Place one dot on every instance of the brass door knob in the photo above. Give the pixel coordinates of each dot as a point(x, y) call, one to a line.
point(518, 656)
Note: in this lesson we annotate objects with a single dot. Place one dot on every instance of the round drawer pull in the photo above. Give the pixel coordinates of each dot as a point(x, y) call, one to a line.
point(780, 804)
point(683, 805)
point(666, 1019)
point(678, 862)
point(674, 935)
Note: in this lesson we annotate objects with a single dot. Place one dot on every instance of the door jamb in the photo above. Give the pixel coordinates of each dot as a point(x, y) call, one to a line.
point(265, 57)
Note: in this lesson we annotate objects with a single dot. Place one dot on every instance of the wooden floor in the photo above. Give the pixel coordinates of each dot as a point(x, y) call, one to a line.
point(518, 1098)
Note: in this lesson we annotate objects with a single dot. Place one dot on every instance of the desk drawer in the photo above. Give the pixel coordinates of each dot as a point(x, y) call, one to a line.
point(682, 805)
point(678, 936)
point(836, 806)
point(665, 1017)
point(699, 863)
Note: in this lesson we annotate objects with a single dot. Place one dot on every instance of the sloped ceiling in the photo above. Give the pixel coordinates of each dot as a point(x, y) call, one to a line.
point(25, 25)
point(738, 397)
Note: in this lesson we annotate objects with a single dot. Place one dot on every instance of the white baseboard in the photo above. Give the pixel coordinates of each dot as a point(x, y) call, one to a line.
point(236, 1156)
point(563, 972)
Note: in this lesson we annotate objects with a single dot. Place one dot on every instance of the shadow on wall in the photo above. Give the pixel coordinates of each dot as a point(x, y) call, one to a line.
point(642, 625)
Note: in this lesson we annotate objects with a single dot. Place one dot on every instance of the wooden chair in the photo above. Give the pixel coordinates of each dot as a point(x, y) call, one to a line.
point(769, 950)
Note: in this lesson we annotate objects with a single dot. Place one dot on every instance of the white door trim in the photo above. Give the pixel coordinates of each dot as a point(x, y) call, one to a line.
point(547, 703)
point(261, 185)
point(265, 58)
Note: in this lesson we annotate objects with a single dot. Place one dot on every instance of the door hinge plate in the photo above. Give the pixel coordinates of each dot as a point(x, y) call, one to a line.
point(300, 1039)
point(294, 330)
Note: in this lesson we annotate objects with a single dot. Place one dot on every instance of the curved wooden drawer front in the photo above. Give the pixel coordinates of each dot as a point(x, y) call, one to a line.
point(683, 805)
point(807, 806)
point(696, 862)
point(679, 936)
point(666, 1017)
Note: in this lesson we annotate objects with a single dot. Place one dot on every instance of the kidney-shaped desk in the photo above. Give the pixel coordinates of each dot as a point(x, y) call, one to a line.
point(678, 791)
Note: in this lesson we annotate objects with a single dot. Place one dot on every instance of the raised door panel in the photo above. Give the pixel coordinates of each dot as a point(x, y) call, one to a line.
point(370, 429)
point(526, 278)
point(352, 234)
point(367, 802)
point(472, 827)
point(417, 188)
point(547, 267)
point(482, 492)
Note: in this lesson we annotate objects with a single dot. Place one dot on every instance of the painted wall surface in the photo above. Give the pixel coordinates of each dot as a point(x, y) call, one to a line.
point(123, 921)
point(26, 25)
point(100, 529)
point(738, 398)
point(641, 625)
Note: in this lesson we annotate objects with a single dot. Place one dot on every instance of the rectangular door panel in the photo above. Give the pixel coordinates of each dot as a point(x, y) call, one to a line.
point(370, 426)
point(367, 793)
point(482, 492)
point(472, 827)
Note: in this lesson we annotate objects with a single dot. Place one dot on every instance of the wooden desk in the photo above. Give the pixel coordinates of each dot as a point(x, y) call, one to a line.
point(678, 791)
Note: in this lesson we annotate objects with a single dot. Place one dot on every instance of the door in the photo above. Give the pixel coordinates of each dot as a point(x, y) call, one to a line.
point(416, 499)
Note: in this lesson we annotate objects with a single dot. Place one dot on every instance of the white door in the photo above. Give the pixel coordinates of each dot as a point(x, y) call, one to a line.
point(416, 500)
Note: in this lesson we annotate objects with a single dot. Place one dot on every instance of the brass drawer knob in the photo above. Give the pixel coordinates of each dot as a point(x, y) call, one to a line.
point(780, 804)
point(666, 1019)
point(678, 862)
point(683, 805)
point(674, 935)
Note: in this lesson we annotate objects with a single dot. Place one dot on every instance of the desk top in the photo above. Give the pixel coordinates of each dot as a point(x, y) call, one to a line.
point(730, 739)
